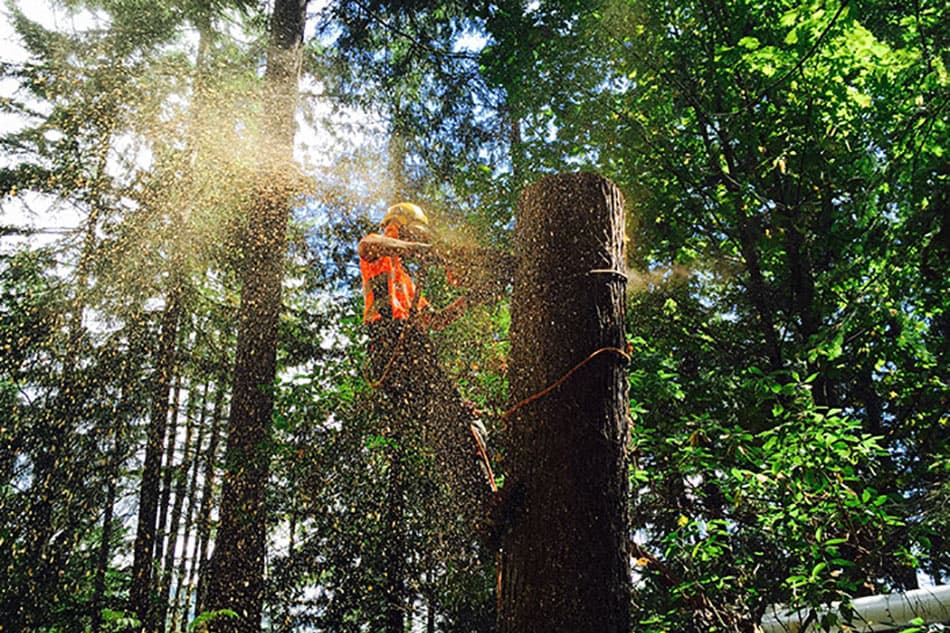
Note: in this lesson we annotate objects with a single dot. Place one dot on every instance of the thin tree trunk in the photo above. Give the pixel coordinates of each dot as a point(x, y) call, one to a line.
point(140, 590)
point(801, 291)
point(564, 561)
point(200, 563)
point(516, 147)
point(236, 580)
point(177, 607)
point(119, 448)
point(102, 558)
point(168, 473)
point(749, 233)
point(181, 482)
point(430, 615)
point(292, 523)
point(758, 287)
point(141, 585)
point(395, 545)
point(197, 113)
point(105, 545)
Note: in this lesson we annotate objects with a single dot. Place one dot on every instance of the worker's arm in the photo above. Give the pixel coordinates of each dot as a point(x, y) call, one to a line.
point(374, 246)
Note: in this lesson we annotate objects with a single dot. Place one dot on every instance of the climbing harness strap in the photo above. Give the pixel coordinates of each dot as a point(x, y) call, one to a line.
point(402, 295)
point(407, 322)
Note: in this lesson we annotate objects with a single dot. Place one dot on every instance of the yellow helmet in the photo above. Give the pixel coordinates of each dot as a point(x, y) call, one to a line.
point(407, 214)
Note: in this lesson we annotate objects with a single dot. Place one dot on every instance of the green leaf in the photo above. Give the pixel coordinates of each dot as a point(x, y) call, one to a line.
point(207, 616)
point(789, 18)
point(749, 42)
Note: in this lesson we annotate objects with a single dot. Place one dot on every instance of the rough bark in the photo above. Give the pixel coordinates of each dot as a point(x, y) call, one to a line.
point(236, 579)
point(564, 561)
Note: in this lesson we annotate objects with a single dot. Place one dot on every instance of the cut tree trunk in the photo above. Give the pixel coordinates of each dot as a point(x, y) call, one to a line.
point(564, 549)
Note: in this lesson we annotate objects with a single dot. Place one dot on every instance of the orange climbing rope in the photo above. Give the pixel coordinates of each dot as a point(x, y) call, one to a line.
point(375, 384)
point(625, 354)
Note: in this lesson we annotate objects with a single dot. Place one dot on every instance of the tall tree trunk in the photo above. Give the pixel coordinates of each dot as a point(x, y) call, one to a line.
point(49, 475)
point(140, 590)
point(181, 482)
point(142, 576)
point(118, 453)
point(102, 557)
point(200, 563)
point(564, 560)
point(430, 615)
point(105, 545)
point(182, 573)
point(236, 581)
point(168, 472)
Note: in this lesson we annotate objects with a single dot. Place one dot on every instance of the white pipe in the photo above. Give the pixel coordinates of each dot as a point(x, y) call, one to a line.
point(874, 613)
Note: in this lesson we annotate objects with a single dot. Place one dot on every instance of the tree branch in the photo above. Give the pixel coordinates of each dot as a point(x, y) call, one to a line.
point(801, 62)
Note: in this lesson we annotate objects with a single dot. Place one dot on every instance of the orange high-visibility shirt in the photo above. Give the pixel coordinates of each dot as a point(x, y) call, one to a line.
point(399, 284)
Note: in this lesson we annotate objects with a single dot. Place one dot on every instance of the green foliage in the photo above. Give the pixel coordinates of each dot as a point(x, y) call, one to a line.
point(784, 169)
point(200, 623)
point(118, 620)
point(769, 163)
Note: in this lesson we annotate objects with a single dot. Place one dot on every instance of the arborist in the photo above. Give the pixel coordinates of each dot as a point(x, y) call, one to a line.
point(404, 362)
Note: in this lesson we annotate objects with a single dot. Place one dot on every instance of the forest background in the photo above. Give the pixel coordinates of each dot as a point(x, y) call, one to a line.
point(784, 172)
